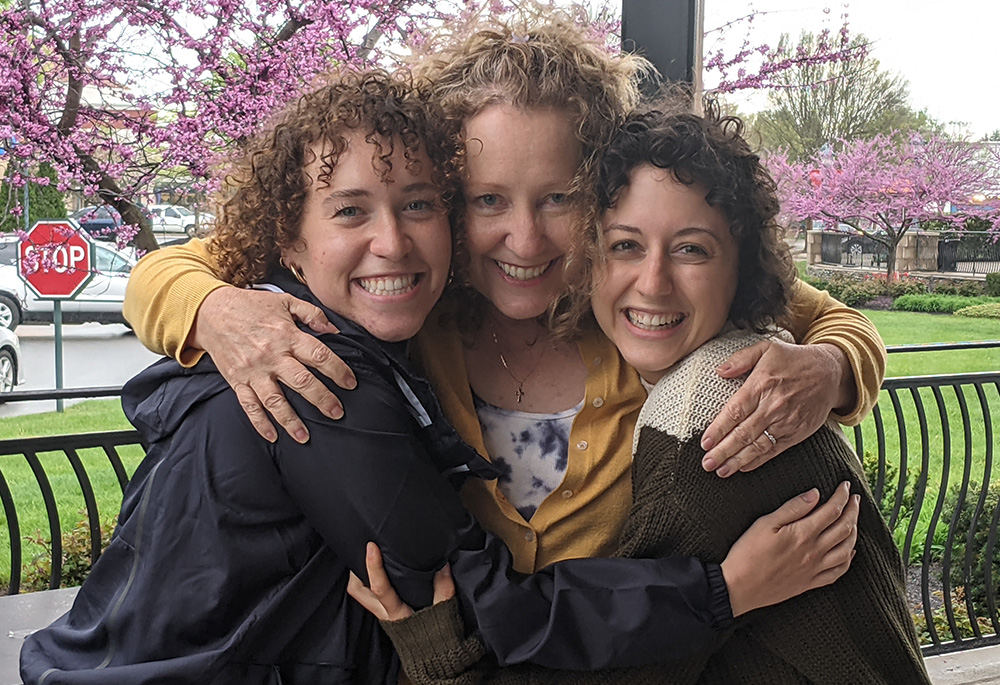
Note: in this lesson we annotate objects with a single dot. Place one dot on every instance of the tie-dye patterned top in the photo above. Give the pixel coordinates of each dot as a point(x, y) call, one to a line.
point(530, 449)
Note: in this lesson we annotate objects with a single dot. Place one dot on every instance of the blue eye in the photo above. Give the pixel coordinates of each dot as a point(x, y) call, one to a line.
point(348, 212)
point(557, 198)
point(419, 205)
point(623, 246)
point(488, 200)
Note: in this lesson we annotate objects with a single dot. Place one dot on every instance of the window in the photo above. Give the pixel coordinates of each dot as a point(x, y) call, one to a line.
point(8, 252)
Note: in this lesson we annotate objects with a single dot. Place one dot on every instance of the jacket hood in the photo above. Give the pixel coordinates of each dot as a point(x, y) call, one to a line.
point(158, 399)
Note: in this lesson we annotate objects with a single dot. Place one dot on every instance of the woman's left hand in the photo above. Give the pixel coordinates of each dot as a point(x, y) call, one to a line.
point(788, 395)
point(380, 599)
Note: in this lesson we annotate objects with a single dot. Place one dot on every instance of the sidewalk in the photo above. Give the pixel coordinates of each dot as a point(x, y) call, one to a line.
point(973, 667)
point(21, 614)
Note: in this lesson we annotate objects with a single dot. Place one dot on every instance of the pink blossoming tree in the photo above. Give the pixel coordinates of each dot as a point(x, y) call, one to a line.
point(885, 186)
point(116, 96)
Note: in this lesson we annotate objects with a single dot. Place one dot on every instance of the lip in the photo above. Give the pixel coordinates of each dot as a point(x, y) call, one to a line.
point(517, 274)
point(390, 287)
point(657, 333)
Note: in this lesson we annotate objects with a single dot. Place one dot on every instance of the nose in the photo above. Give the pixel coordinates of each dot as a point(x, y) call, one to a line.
point(390, 240)
point(654, 276)
point(526, 234)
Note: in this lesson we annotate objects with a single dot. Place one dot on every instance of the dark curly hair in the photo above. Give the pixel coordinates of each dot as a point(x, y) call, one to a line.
point(267, 185)
point(709, 150)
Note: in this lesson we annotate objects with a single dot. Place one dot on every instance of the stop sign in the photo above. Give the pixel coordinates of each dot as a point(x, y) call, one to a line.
point(55, 259)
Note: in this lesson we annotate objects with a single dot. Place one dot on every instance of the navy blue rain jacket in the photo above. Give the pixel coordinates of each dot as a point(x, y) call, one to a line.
point(231, 557)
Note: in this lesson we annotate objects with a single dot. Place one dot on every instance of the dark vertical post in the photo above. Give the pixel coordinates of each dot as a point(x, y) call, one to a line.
point(669, 34)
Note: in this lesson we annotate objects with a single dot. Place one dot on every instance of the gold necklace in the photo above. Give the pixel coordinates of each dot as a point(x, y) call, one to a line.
point(519, 393)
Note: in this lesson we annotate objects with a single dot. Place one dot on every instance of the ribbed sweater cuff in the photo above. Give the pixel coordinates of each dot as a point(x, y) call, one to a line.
point(432, 643)
point(719, 606)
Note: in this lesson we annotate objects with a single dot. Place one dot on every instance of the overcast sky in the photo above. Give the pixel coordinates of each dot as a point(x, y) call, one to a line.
point(946, 50)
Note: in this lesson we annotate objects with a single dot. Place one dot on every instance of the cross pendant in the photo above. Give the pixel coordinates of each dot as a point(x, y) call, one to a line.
point(519, 393)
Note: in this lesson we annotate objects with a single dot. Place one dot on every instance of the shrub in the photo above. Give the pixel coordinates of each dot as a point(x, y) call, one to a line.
point(980, 311)
point(870, 464)
point(818, 283)
point(854, 291)
point(75, 555)
point(975, 585)
point(907, 286)
point(963, 288)
point(887, 503)
point(938, 304)
point(993, 284)
point(921, 527)
point(940, 619)
point(836, 284)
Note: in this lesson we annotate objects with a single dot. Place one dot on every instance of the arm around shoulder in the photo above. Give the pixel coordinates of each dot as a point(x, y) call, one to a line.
point(818, 318)
point(165, 290)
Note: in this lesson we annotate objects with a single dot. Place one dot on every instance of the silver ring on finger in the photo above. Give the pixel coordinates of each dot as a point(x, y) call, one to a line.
point(767, 434)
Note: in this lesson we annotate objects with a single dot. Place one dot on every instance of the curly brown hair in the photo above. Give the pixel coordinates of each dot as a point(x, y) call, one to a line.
point(708, 150)
point(267, 185)
point(537, 57)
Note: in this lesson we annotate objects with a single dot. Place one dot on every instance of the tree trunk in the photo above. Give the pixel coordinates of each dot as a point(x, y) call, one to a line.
point(133, 214)
point(890, 264)
point(109, 191)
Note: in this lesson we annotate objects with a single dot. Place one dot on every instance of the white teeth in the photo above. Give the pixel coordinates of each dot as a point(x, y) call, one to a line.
point(389, 286)
point(653, 321)
point(521, 273)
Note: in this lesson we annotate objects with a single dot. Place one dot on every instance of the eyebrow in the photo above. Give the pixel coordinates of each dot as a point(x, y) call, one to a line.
point(352, 193)
point(346, 194)
point(625, 228)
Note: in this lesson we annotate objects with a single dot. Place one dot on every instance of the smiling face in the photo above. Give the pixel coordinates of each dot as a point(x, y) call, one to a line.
point(671, 271)
point(375, 250)
point(520, 165)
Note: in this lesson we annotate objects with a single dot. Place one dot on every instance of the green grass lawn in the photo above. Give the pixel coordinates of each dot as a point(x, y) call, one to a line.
point(904, 328)
point(86, 417)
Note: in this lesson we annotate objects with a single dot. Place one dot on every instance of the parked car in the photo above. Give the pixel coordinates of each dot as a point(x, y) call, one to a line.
point(100, 300)
point(11, 372)
point(178, 219)
point(100, 222)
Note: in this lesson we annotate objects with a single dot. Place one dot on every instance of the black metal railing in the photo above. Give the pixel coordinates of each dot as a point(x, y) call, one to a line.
point(973, 252)
point(928, 449)
point(40, 453)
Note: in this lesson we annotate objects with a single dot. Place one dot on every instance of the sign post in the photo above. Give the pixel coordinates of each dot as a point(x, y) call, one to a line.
point(55, 259)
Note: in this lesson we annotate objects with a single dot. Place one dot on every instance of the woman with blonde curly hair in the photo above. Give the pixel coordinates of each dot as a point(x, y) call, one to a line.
point(533, 99)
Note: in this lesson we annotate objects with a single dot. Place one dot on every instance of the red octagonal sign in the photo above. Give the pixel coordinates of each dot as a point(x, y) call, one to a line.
point(55, 259)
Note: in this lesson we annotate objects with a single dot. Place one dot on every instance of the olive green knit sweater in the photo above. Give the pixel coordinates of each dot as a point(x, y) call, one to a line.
point(858, 630)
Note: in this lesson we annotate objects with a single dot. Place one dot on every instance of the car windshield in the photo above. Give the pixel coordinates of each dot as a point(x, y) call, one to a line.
point(183, 211)
point(104, 212)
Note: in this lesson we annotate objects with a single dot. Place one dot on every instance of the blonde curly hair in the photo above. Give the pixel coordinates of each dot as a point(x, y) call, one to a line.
point(267, 184)
point(535, 57)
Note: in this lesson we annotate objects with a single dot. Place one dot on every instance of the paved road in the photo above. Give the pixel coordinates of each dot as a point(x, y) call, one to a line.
point(93, 355)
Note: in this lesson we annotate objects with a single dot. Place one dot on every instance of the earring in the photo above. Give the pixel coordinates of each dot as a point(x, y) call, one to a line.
point(296, 271)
